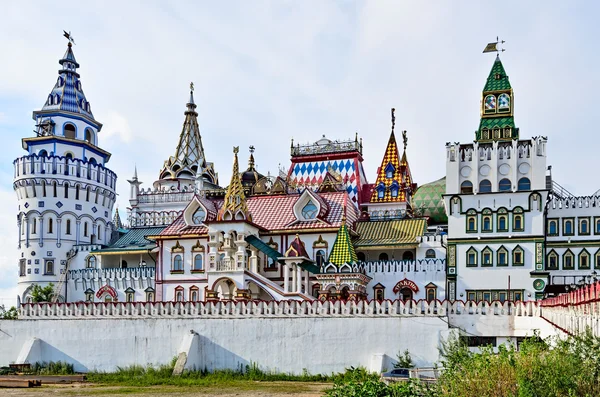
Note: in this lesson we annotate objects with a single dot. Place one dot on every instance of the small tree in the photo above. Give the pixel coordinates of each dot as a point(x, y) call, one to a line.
point(10, 314)
point(404, 360)
point(42, 294)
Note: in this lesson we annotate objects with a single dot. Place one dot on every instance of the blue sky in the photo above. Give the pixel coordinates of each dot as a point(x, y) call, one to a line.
point(269, 71)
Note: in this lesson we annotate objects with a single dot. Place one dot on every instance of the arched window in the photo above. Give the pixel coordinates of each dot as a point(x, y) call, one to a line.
point(69, 131)
point(193, 294)
point(487, 223)
point(98, 235)
point(68, 227)
point(50, 226)
point(85, 229)
point(471, 221)
point(503, 103)
point(383, 256)
point(504, 185)
point(502, 256)
point(389, 171)
point(486, 257)
point(34, 226)
point(485, 186)
point(584, 260)
point(66, 190)
point(472, 257)
point(466, 187)
point(518, 225)
point(408, 256)
point(394, 189)
point(552, 227)
point(502, 220)
point(568, 261)
point(43, 153)
point(430, 254)
point(568, 227)
point(320, 257)
point(179, 296)
point(129, 295)
point(380, 190)
point(361, 256)
point(91, 262)
point(197, 262)
point(199, 216)
point(49, 267)
point(89, 135)
point(584, 226)
point(490, 104)
point(178, 263)
point(518, 256)
point(77, 192)
point(524, 184)
point(123, 264)
point(309, 211)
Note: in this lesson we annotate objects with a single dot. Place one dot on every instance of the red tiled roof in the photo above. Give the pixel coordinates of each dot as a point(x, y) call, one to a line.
point(276, 213)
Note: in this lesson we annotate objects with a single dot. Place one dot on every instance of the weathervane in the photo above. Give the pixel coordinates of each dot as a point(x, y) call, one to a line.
point(192, 86)
point(405, 138)
point(69, 37)
point(252, 149)
point(393, 119)
point(493, 47)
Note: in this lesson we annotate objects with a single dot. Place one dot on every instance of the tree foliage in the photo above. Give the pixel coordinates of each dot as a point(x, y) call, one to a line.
point(42, 294)
point(404, 360)
point(8, 314)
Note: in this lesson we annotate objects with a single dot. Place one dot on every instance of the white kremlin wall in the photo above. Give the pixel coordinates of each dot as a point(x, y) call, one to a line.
point(277, 336)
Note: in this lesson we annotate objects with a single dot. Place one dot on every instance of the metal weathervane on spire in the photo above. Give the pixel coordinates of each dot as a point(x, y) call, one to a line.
point(493, 47)
point(69, 37)
point(192, 86)
point(393, 119)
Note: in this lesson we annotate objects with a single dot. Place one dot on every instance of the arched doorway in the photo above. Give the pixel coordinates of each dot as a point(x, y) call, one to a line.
point(405, 294)
point(225, 289)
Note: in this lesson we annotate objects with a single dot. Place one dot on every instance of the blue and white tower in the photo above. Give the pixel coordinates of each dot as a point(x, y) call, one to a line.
point(65, 192)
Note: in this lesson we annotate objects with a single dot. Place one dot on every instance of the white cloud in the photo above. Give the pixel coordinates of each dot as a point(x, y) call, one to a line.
point(116, 128)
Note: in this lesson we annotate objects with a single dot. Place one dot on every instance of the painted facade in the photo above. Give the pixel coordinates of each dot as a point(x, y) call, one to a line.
point(496, 227)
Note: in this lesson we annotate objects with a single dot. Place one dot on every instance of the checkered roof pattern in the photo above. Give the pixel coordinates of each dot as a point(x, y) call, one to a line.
point(401, 174)
point(342, 251)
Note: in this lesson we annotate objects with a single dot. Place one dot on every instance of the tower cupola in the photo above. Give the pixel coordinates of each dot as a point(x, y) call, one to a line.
point(497, 106)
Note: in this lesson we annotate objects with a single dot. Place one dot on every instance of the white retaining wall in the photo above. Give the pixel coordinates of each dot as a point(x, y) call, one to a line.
point(321, 337)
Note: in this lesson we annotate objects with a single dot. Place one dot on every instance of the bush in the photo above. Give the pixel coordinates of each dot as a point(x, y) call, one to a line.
point(52, 368)
point(404, 360)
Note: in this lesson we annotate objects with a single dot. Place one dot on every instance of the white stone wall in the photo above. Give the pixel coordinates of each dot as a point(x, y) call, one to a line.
point(319, 337)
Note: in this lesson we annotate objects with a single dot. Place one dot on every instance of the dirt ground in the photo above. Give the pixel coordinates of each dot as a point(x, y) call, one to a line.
point(252, 389)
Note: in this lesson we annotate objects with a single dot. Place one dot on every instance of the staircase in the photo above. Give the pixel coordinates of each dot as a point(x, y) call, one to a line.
point(274, 289)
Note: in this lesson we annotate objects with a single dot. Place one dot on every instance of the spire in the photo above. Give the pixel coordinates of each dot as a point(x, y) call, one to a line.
point(67, 94)
point(117, 219)
point(497, 119)
point(394, 179)
point(343, 251)
point(234, 205)
point(189, 156)
point(135, 177)
point(251, 159)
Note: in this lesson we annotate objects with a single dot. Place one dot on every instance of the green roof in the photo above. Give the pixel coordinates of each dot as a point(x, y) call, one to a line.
point(497, 80)
point(342, 251)
point(427, 201)
point(134, 240)
point(392, 232)
point(497, 122)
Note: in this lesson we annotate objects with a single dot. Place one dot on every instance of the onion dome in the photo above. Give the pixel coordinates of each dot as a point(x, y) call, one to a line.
point(428, 202)
point(67, 94)
point(250, 176)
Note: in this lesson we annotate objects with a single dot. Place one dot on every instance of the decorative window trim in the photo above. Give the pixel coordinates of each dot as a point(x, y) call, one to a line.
point(471, 215)
point(597, 225)
point(504, 109)
point(430, 254)
point(580, 220)
point(552, 254)
point(129, 295)
point(492, 110)
point(568, 254)
point(564, 228)
point(498, 218)
point(597, 260)
point(198, 247)
point(582, 254)
point(518, 213)
point(556, 221)
point(429, 288)
point(150, 294)
point(179, 290)
point(466, 187)
point(491, 224)
point(194, 269)
point(49, 271)
point(516, 250)
point(475, 257)
point(194, 289)
point(503, 250)
point(173, 258)
point(487, 251)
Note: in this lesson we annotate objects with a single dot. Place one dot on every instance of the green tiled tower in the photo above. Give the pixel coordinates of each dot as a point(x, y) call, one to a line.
point(497, 106)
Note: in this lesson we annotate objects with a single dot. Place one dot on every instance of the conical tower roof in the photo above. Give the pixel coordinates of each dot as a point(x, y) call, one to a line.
point(497, 106)
point(189, 158)
point(234, 206)
point(343, 251)
point(67, 94)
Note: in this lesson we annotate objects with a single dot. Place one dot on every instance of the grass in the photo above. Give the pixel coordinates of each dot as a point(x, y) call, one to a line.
point(139, 376)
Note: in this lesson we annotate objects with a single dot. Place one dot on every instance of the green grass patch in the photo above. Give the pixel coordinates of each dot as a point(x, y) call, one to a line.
point(139, 376)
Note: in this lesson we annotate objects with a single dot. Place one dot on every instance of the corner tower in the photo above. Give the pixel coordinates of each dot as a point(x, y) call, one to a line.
point(65, 192)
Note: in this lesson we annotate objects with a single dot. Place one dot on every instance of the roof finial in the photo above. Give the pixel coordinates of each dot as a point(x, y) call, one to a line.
point(192, 93)
point(493, 47)
point(69, 37)
point(393, 119)
point(404, 138)
point(251, 159)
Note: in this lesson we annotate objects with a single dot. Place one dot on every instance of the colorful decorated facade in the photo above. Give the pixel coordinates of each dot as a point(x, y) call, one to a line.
point(494, 228)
